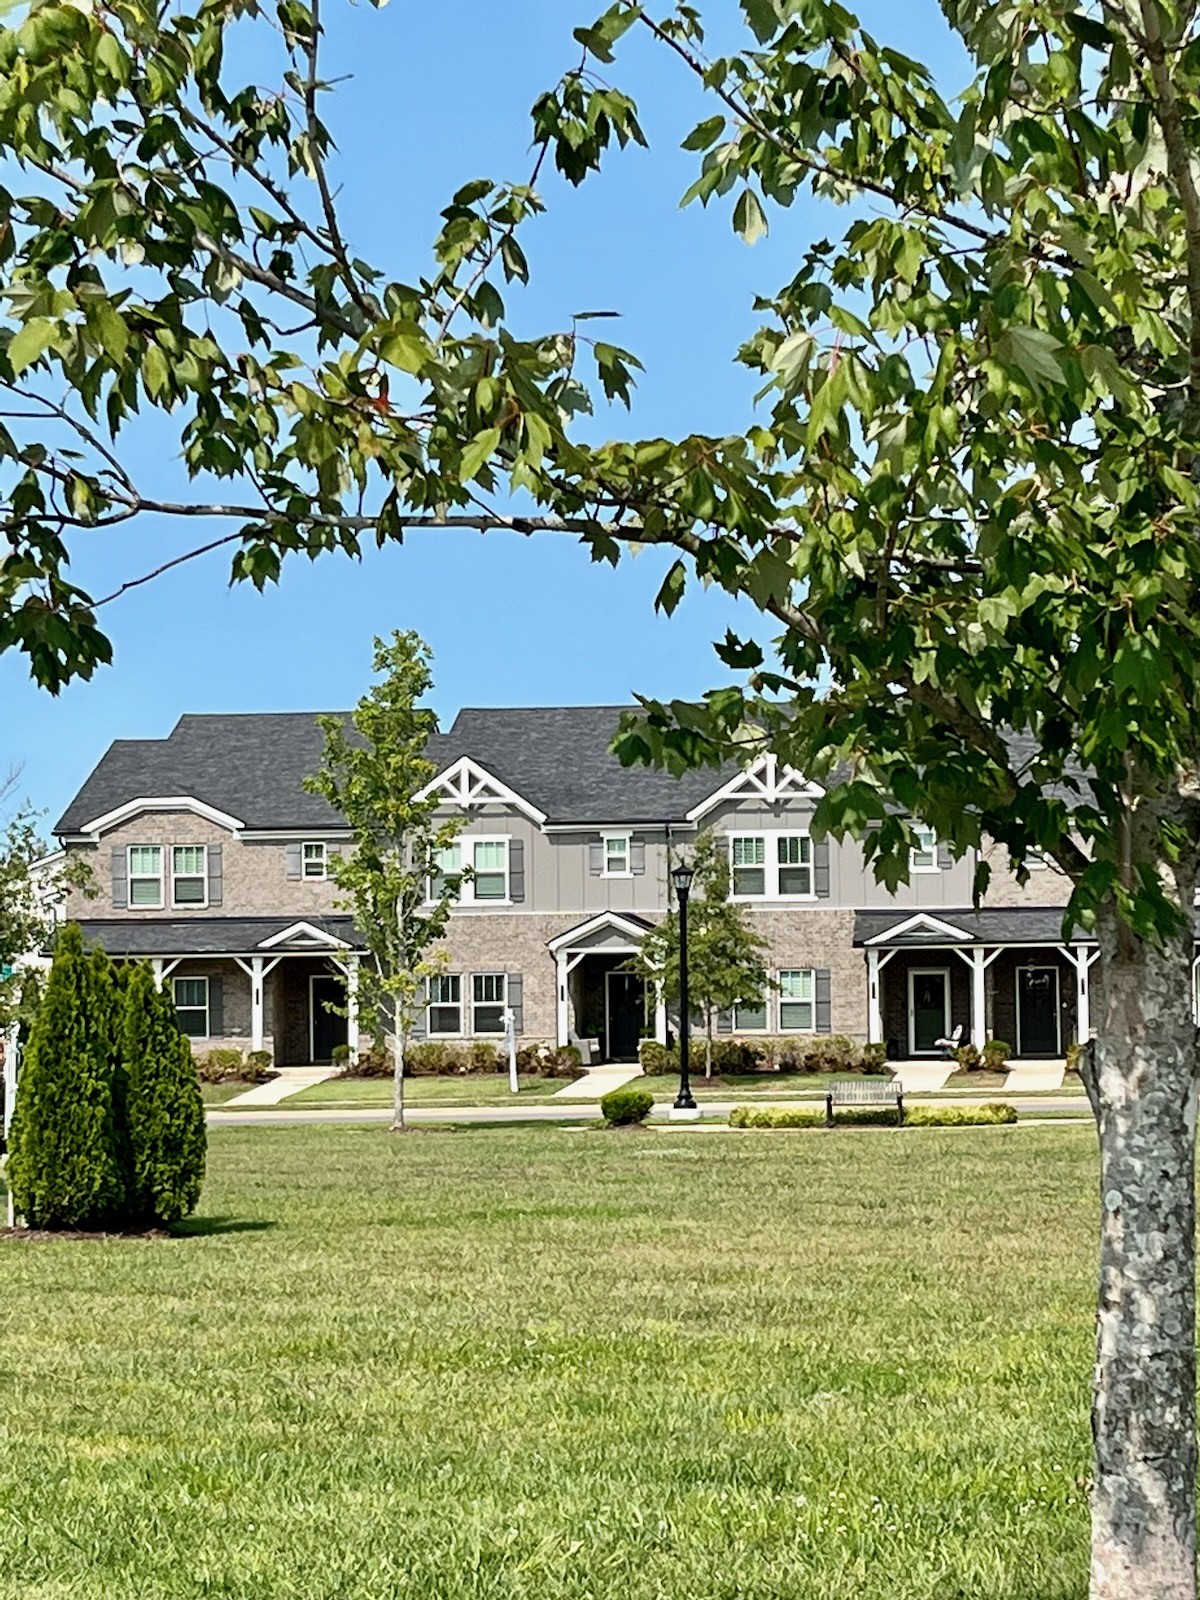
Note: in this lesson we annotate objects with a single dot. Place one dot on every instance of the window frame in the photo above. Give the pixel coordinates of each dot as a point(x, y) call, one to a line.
point(477, 1005)
point(797, 1000)
point(145, 877)
point(190, 905)
point(206, 1008)
point(914, 866)
point(607, 840)
point(771, 839)
point(466, 894)
point(432, 1005)
point(314, 877)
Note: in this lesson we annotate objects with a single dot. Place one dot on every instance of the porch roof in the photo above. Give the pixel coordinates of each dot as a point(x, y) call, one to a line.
point(917, 929)
point(221, 936)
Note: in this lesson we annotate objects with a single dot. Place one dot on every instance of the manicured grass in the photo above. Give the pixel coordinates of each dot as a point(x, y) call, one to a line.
point(526, 1364)
point(216, 1094)
point(425, 1091)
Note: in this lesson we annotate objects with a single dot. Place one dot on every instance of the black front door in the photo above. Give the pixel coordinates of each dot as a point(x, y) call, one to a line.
point(1037, 1011)
point(626, 1005)
point(328, 1029)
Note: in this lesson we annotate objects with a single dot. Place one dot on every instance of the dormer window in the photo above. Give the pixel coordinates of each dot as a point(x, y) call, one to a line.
point(189, 875)
point(146, 875)
point(314, 860)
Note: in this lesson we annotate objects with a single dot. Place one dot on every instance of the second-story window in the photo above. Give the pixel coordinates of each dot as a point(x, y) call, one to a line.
point(489, 881)
point(616, 855)
point(314, 862)
point(794, 851)
point(748, 860)
point(189, 875)
point(145, 875)
point(923, 857)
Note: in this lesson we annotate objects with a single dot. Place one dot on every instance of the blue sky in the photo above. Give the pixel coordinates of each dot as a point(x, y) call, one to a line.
point(439, 93)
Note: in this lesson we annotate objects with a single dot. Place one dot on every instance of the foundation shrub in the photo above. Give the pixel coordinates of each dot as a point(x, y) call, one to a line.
point(968, 1058)
point(223, 1065)
point(994, 1056)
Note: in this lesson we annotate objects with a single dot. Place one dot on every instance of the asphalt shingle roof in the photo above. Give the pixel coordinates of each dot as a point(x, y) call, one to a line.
point(253, 766)
point(999, 925)
point(203, 935)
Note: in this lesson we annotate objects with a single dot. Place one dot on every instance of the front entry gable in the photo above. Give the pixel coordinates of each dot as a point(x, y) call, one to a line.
point(617, 931)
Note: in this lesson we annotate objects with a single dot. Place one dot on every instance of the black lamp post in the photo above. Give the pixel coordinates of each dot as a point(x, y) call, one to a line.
point(681, 877)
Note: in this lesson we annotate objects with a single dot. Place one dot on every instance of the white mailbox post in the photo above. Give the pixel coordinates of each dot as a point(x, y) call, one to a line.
point(510, 1044)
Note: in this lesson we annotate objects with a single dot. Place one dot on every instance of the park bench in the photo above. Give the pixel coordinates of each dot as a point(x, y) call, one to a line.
point(865, 1092)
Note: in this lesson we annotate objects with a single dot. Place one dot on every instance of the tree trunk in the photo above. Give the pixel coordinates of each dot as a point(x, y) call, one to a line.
point(708, 1046)
point(1142, 1083)
point(399, 1029)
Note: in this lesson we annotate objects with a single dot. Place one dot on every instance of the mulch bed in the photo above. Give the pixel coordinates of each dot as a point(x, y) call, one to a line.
point(37, 1235)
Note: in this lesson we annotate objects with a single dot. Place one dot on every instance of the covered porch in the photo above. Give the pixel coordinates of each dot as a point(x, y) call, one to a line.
point(597, 997)
point(289, 989)
point(1005, 975)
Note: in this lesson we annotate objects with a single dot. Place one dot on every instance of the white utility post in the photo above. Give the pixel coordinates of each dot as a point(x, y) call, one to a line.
point(510, 1044)
point(12, 1069)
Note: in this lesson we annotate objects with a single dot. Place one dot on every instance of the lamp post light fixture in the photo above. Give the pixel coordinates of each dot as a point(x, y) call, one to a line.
point(685, 1108)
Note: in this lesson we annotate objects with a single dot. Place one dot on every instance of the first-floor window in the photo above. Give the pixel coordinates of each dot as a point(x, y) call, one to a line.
point(189, 883)
point(445, 1003)
point(748, 859)
point(487, 1002)
point(797, 995)
point(923, 855)
point(191, 1006)
point(750, 1016)
point(145, 875)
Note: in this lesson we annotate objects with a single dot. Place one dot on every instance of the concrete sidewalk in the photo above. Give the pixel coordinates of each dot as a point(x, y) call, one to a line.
point(922, 1077)
point(287, 1081)
point(597, 1081)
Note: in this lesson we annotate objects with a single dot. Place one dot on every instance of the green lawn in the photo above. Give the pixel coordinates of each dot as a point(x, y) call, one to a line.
point(456, 1091)
point(527, 1364)
point(216, 1094)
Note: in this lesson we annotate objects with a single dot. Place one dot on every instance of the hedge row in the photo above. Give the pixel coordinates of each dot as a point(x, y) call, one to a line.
point(226, 1064)
point(796, 1053)
point(984, 1116)
point(443, 1058)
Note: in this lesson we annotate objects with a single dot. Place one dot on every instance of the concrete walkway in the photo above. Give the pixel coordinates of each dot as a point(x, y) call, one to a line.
point(922, 1077)
point(1031, 1077)
point(597, 1081)
point(286, 1082)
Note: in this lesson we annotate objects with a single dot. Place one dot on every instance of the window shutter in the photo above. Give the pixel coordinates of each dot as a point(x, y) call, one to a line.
point(821, 868)
point(944, 859)
point(216, 1009)
point(120, 878)
point(515, 991)
point(637, 857)
point(417, 1028)
point(595, 858)
point(216, 874)
point(724, 1021)
point(516, 870)
point(295, 860)
point(823, 1008)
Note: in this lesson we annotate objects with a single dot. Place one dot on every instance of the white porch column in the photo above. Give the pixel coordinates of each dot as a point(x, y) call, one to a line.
point(660, 1015)
point(979, 968)
point(352, 1006)
point(562, 1004)
point(158, 972)
point(1083, 1000)
point(257, 1008)
point(874, 1000)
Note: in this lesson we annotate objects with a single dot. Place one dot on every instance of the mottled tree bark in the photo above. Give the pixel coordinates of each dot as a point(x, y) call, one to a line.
point(399, 1030)
point(1142, 1082)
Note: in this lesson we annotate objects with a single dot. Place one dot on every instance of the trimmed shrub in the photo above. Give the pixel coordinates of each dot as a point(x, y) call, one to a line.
point(968, 1058)
point(64, 1166)
point(1074, 1055)
point(222, 1065)
point(621, 1108)
point(484, 1056)
point(164, 1111)
point(984, 1116)
point(994, 1056)
point(260, 1065)
point(786, 1053)
point(340, 1056)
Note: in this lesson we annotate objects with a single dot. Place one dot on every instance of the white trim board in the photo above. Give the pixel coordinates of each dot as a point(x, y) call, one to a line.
point(465, 783)
point(602, 919)
point(305, 930)
point(926, 924)
point(766, 780)
point(174, 802)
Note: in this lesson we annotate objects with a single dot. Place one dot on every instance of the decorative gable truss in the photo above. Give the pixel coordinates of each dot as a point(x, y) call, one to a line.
point(766, 780)
point(471, 787)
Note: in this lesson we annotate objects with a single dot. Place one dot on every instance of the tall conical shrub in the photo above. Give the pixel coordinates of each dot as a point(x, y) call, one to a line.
point(163, 1108)
point(64, 1164)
